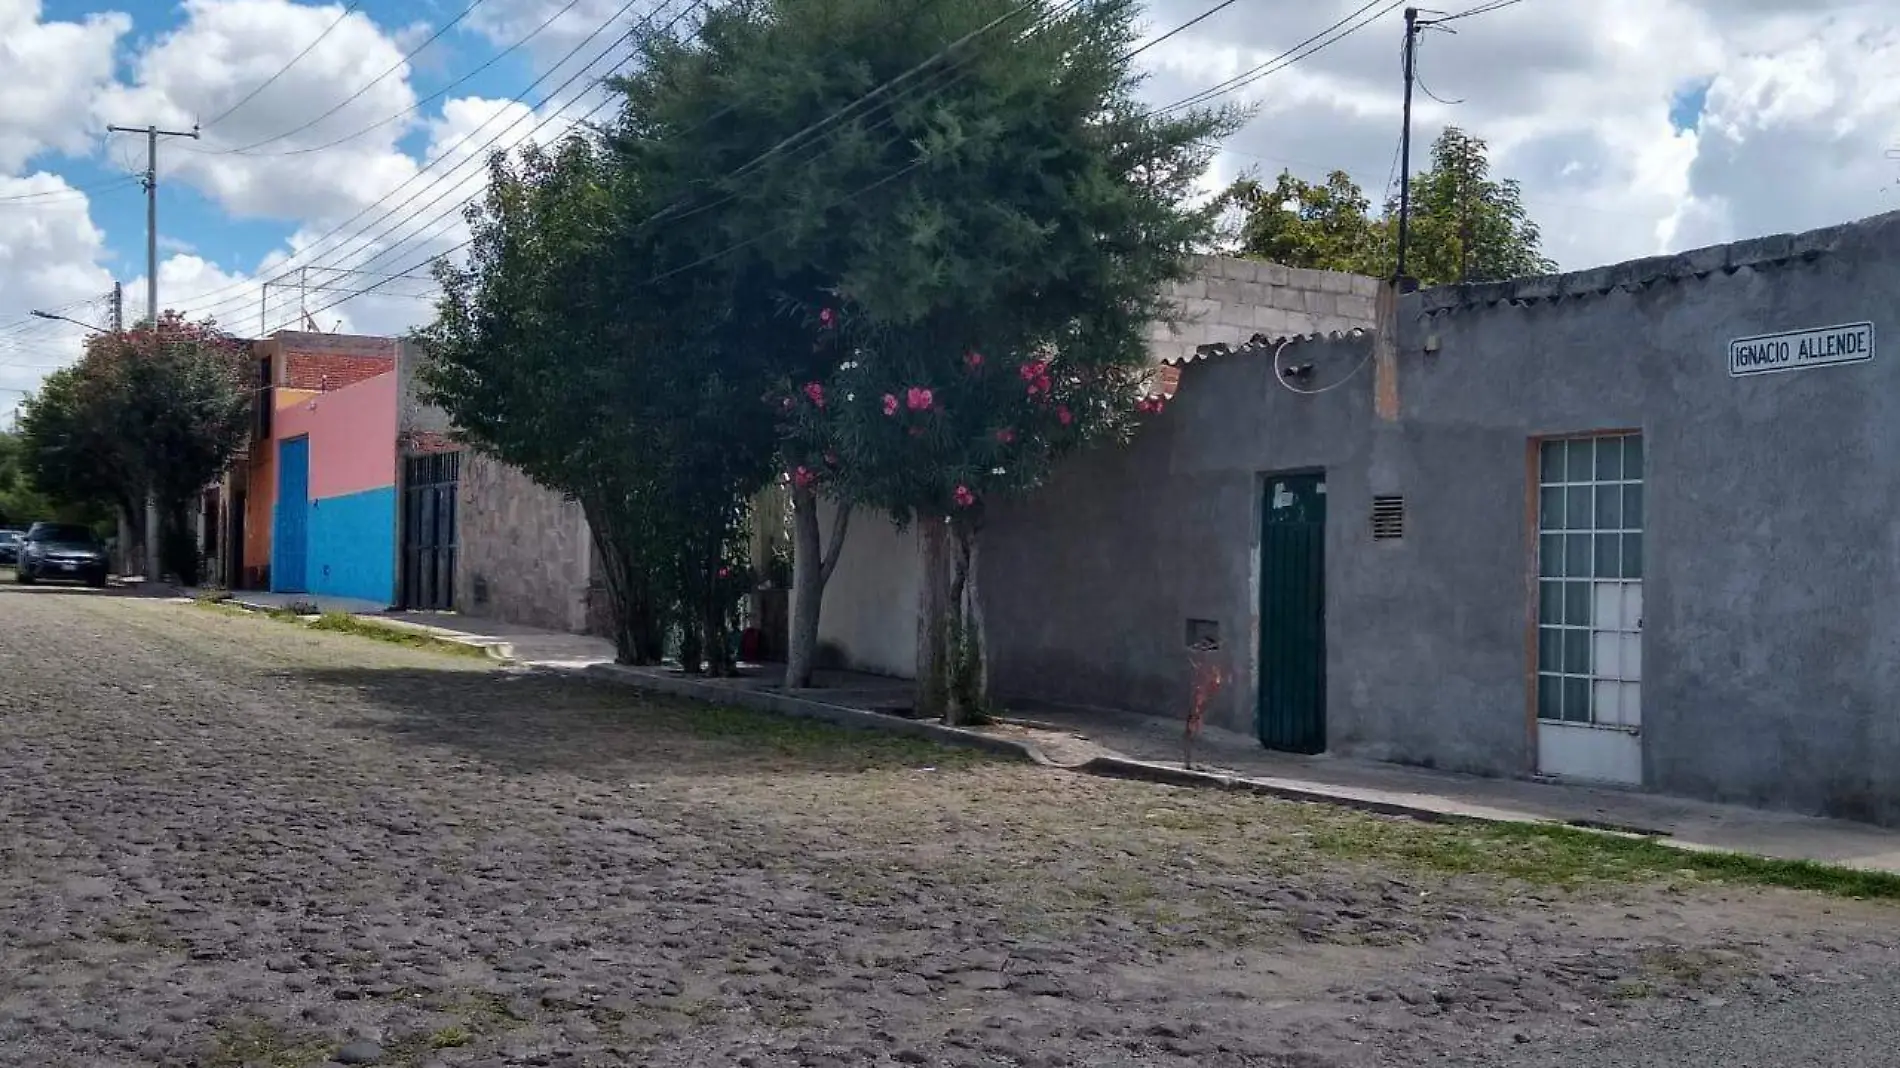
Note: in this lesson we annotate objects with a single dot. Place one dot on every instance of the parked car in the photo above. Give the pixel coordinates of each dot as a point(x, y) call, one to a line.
point(61, 551)
point(9, 547)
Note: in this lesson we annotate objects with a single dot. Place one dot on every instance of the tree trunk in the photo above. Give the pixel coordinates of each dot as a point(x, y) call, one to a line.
point(968, 647)
point(811, 572)
point(933, 612)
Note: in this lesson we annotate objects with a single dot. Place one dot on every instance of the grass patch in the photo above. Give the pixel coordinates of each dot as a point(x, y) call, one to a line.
point(450, 1038)
point(1538, 853)
point(345, 623)
point(768, 735)
point(252, 1043)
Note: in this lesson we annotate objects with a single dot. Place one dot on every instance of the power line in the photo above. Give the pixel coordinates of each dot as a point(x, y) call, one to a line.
point(445, 154)
point(361, 239)
point(371, 84)
point(1189, 24)
point(1481, 9)
point(1325, 38)
point(71, 193)
point(439, 93)
point(348, 9)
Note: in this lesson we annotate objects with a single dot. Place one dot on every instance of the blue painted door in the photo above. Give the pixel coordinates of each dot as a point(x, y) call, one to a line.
point(290, 542)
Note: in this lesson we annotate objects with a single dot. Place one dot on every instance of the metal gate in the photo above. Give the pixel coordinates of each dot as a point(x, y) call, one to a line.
point(428, 531)
point(290, 540)
point(1292, 713)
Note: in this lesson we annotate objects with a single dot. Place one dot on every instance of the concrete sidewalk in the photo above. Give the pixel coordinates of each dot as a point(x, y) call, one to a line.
point(1146, 747)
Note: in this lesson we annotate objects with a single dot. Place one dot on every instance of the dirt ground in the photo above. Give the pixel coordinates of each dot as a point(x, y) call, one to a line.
point(230, 841)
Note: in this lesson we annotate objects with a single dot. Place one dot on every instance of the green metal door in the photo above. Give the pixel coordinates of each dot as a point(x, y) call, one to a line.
point(1292, 712)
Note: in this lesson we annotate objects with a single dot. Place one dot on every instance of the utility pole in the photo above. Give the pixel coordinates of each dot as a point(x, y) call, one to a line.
point(118, 307)
point(152, 134)
point(1405, 145)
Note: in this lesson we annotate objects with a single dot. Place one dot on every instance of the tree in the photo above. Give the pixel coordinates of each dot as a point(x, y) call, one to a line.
point(1325, 226)
point(158, 411)
point(1465, 225)
point(574, 346)
point(967, 267)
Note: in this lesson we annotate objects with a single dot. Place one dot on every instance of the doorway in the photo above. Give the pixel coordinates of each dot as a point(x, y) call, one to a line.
point(1590, 608)
point(290, 540)
point(1292, 709)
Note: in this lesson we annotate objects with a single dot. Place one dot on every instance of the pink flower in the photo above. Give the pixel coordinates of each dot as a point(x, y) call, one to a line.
point(725, 572)
point(1144, 405)
point(803, 477)
point(1032, 370)
point(964, 497)
point(973, 359)
point(816, 392)
point(890, 404)
point(918, 399)
point(1006, 435)
point(1063, 415)
point(827, 318)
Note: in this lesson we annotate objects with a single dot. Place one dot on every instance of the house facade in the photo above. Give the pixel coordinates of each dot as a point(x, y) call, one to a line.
point(1635, 525)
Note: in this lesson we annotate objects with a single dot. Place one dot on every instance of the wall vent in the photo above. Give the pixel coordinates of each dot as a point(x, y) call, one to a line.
point(1388, 518)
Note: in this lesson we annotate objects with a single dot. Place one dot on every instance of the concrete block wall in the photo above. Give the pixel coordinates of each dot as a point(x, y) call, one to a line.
point(524, 553)
point(1230, 300)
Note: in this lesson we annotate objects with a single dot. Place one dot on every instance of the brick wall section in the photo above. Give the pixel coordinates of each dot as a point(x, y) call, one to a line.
point(523, 552)
point(1231, 299)
point(306, 360)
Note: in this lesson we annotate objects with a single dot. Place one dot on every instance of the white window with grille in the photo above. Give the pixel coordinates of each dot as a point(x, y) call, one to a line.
point(1590, 608)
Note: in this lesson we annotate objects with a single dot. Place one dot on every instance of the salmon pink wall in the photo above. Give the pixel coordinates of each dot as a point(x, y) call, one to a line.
point(352, 436)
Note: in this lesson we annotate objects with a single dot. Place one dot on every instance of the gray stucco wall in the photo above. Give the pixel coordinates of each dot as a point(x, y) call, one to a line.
point(1771, 633)
point(523, 553)
point(870, 606)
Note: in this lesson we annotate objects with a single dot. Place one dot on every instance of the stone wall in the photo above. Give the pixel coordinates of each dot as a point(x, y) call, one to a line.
point(523, 553)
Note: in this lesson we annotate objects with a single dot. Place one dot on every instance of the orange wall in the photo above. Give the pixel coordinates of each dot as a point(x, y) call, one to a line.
point(258, 500)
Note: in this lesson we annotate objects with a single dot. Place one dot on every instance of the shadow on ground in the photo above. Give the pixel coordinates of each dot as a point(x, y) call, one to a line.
point(533, 721)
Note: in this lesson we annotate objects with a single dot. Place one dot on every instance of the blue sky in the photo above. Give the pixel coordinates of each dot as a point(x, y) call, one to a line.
point(1633, 126)
point(188, 219)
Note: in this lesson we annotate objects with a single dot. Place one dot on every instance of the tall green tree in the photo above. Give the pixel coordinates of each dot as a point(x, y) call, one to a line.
point(155, 411)
point(957, 221)
point(1466, 225)
point(591, 352)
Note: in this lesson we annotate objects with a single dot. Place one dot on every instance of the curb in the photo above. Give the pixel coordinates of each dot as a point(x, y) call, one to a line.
point(786, 704)
point(1115, 767)
point(1108, 767)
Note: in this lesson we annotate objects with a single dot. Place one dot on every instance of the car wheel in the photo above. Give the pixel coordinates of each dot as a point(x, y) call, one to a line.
point(96, 581)
point(22, 578)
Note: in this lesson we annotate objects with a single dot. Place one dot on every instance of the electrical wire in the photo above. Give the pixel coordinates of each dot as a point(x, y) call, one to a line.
point(445, 154)
point(442, 92)
point(348, 9)
point(1323, 39)
point(1189, 24)
point(1481, 9)
point(73, 193)
point(473, 5)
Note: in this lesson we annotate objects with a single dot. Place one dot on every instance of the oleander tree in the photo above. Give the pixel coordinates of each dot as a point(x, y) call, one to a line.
point(157, 410)
point(991, 254)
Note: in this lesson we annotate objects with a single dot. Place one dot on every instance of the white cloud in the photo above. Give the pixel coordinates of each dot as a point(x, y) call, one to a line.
point(49, 260)
point(1575, 101)
point(269, 157)
point(52, 71)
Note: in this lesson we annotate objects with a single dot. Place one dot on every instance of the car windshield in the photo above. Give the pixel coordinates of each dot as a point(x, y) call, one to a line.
point(9, 536)
point(61, 532)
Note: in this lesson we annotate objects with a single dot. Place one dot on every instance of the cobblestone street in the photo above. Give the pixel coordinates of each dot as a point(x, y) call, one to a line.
point(226, 840)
